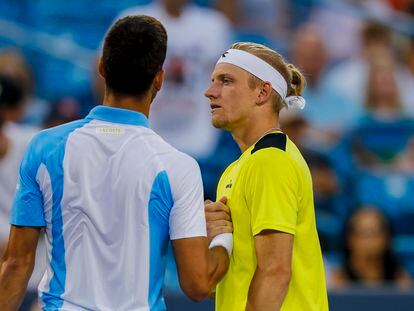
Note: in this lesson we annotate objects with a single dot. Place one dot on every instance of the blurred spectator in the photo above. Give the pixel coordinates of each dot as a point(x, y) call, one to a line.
point(65, 109)
point(409, 8)
point(328, 112)
point(330, 203)
point(346, 18)
point(14, 139)
point(410, 56)
point(385, 131)
point(263, 21)
point(368, 257)
point(383, 100)
point(197, 36)
point(14, 65)
point(93, 94)
point(378, 9)
point(376, 39)
point(405, 161)
point(406, 6)
point(407, 83)
point(295, 126)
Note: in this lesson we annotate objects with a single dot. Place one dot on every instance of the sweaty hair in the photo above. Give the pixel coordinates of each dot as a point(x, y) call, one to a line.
point(134, 51)
point(294, 79)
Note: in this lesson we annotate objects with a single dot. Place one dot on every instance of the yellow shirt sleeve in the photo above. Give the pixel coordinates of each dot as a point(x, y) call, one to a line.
point(272, 191)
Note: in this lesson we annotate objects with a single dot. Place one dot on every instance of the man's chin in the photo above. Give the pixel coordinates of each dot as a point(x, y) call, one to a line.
point(218, 124)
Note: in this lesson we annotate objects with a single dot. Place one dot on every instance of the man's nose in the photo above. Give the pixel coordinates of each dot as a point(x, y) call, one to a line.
point(211, 91)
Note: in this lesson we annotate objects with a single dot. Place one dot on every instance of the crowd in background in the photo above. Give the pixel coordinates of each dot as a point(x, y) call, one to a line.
point(356, 131)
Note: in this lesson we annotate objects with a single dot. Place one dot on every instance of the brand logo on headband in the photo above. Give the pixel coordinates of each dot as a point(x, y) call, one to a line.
point(224, 54)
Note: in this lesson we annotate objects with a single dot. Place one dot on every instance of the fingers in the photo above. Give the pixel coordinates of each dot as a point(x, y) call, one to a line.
point(218, 227)
point(218, 217)
point(216, 206)
point(220, 223)
point(223, 200)
point(211, 216)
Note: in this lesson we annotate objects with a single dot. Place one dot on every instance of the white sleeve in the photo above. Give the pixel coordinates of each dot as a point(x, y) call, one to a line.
point(187, 214)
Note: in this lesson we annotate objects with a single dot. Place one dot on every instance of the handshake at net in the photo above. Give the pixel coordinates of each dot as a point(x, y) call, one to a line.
point(219, 224)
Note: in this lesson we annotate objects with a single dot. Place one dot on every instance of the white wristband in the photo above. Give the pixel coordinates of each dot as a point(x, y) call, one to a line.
point(225, 240)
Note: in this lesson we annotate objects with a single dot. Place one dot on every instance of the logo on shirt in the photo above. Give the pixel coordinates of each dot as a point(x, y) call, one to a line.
point(228, 186)
point(110, 130)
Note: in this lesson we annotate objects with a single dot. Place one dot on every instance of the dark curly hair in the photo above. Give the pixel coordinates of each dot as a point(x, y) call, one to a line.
point(134, 51)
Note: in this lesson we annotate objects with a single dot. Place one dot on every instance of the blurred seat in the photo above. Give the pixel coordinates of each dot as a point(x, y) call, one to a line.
point(383, 138)
point(392, 193)
point(403, 246)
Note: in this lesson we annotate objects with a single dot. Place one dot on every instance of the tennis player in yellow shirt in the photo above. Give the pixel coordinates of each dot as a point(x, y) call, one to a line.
point(276, 262)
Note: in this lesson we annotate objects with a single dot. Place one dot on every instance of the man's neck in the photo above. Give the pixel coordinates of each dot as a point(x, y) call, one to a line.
point(130, 103)
point(250, 133)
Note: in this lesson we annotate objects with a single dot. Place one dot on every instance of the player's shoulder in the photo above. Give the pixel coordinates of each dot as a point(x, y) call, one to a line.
point(180, 167)
point(173, 158)
point(181, 161)
point(53, 136)
point(47, 142)
point(271, 151)
point(270, 142)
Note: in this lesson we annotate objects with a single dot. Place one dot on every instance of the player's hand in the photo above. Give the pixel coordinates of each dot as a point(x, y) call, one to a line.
point(218, 218)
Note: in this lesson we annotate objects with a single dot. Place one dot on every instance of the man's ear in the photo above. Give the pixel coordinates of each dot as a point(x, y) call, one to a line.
point(101, 68)
point(265, 91)
point(157, 83)
point(159, 79)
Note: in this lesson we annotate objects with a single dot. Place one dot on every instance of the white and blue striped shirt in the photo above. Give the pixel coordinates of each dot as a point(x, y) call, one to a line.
point(111, 193)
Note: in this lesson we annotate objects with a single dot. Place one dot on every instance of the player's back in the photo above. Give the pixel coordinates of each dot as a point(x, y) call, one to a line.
point(108, 184)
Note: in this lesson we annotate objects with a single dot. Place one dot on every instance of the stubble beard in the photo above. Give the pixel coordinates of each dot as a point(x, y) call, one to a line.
point(218, 123)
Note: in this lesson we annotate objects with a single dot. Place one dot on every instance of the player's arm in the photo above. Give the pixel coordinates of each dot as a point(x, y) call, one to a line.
point(271, 279)
point(272, 191)
point(201, 261)
point(17, 265)
point(200, 265)
point(199, 268)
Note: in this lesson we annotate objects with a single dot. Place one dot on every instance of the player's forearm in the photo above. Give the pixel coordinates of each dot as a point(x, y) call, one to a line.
point(267, 290)
point(199, 268)
point(218, 265)
point(14, 276)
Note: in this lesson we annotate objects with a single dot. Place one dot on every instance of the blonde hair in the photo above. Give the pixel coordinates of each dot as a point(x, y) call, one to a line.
point(295, 80)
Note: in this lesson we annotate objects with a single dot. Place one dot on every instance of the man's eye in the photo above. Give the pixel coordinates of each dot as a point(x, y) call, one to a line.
point(226, 81)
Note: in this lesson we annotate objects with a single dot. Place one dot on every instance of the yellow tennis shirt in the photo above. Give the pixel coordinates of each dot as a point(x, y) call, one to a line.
point(270, 187)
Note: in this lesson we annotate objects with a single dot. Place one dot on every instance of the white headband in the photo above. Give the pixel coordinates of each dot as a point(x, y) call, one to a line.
point(262, 70)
